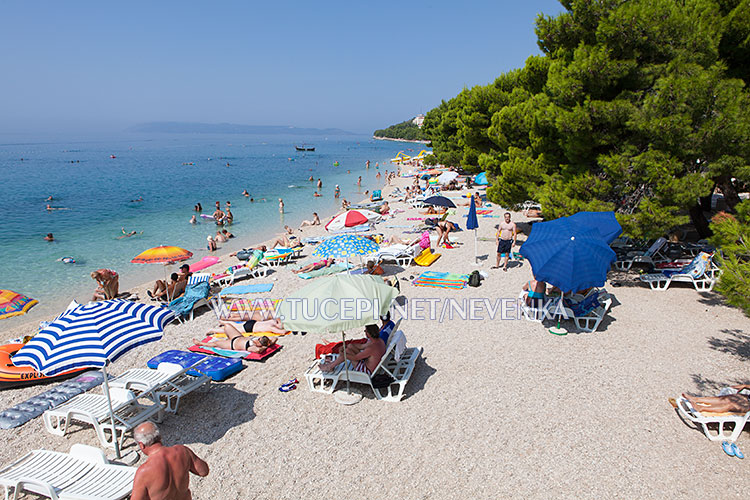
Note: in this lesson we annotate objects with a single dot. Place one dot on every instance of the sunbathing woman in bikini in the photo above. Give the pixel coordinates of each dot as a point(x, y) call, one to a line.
point(244, 344)
point(233, 332)
point(314, 266)
point(731, 403)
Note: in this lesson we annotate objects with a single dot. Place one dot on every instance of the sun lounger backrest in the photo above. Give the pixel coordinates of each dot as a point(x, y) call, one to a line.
point(657, 245)
point(585, 306)
point(697, 266)
point(198, 278)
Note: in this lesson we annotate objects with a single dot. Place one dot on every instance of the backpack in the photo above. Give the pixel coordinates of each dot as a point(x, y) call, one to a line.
point(474, 279)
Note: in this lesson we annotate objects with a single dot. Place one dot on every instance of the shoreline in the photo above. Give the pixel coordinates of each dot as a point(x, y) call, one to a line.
point(414, 141)
point(137, 286)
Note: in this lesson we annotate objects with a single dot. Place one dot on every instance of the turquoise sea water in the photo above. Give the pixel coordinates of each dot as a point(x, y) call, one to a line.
point(96, 191)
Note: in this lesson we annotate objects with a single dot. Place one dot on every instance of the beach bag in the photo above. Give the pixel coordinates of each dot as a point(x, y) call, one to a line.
point(475, 279)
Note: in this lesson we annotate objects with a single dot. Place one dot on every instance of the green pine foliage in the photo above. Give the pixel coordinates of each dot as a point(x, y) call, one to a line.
point(732, 235)
point(404, 130)
point(637, 106)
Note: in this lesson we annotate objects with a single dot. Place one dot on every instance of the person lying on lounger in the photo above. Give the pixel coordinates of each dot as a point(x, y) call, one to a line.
point(314, 266)
point(731, 403)
point(232, 330)
point(239, 343)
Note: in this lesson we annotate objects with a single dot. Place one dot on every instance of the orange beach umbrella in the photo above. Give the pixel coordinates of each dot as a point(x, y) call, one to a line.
point(13, 303)
point(162, 254)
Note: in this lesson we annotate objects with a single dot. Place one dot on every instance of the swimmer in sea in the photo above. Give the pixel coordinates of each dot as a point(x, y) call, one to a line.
point(50, 208)
point(245, 193)
point(193, 220)
point(316, 194)
point(336, 192)
point(311, 179)
point(281, 206)
point(49, 237)
point(140, 198)
point(126, 234)
point(49, 198)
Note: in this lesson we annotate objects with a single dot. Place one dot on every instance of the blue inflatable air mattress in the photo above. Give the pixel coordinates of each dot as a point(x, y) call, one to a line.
point(216, 368)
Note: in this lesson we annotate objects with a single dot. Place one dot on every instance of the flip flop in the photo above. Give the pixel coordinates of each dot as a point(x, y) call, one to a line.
point(728, 448)
point(287, 389)
point(737, 452)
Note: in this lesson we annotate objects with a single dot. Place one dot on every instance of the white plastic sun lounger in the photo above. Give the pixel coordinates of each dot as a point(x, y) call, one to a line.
point(654, 255)
point(587, 320)
point(701, 272)
point(719, 419)
point(82, 474)
point(403, 255)
point(92, 409)
point(536, 314)
point(275, 258)
point(257, 271)
point(399, 370)
point(167, 383)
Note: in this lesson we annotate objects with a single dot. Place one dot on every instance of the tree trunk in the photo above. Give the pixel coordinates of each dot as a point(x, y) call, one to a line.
point(731, 198)
point(700, 222)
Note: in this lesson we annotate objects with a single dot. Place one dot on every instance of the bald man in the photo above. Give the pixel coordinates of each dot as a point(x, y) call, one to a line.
point(165, 474)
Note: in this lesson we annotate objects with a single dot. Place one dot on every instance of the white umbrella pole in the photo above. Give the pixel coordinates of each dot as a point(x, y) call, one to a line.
point(475, 246)
point(111, 412)
point(346, 364)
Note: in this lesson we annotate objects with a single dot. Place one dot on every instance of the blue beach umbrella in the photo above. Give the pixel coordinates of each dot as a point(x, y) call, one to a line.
point(481, 179)
point(473, 223)
point(568, 255)
point(605, 224)
point(92, 336)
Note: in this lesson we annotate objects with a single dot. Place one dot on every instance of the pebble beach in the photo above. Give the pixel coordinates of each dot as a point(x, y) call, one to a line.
point(497, 407)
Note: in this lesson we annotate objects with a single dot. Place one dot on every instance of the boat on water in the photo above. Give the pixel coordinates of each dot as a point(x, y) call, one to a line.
point(305, 147)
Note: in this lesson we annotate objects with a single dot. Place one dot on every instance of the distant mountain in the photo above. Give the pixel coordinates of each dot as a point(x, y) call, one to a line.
point(229, 128)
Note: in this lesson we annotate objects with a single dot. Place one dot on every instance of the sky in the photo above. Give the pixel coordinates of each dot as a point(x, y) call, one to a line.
point(105, 66)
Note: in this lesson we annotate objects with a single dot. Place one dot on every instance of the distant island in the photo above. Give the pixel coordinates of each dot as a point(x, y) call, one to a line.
point(229, 128)
point(410, 130)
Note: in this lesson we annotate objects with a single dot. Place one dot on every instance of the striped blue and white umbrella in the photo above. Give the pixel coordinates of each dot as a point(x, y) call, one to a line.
point(92, 335)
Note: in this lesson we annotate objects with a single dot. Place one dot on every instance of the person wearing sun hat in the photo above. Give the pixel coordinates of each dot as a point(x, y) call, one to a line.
point(211, 243)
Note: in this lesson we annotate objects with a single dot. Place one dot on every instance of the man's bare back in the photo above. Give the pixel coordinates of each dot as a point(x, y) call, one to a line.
point(166, 473)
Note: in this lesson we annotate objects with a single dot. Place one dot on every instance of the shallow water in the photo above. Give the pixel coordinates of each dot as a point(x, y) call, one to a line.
point(96, 192)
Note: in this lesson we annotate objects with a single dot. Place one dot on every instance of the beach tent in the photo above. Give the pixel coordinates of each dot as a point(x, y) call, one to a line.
point(481, 179)
point(336, 304)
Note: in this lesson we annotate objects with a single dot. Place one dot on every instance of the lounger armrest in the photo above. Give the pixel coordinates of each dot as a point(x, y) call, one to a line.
point(42, 487)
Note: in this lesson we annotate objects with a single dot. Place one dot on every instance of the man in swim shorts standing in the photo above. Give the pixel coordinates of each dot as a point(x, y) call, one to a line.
point(505, 239)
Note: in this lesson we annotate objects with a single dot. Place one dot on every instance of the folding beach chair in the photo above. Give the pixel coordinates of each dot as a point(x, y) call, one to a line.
point(701, 272)
point(656, 253)
point(705, 419)
point(92, 409)
point(397, 365)
point(167, 383)
point(84, 473)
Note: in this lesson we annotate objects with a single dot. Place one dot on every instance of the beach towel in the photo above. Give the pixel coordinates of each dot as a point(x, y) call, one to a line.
point(416, 218)
point(183, 305)
point(332, 347)
point(225, 353)
point(243, 289)
point(441, 280)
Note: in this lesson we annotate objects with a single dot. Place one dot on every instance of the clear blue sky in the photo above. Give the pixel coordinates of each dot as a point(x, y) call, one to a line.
point(94, 65)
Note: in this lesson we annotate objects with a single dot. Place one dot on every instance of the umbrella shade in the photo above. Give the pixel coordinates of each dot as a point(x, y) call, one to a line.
point(13, 303)
point(471, 221)
point(605, 224)
point(569, 256)
point(441, 201)
point(91, 335)
point(481, 179)
point(350, 219)
point(345, 246)
point(425, 176)
point(162, 254)
point(446, 177)
point(337, 303)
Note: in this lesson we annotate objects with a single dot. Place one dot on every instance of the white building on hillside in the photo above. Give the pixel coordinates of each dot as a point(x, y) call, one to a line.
point(418, 120)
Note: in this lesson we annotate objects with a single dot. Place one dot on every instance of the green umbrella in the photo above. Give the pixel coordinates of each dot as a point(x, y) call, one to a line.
point(336, 304)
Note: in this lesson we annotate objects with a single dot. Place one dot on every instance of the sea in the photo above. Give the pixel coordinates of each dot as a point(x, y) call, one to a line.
point(94, 182)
